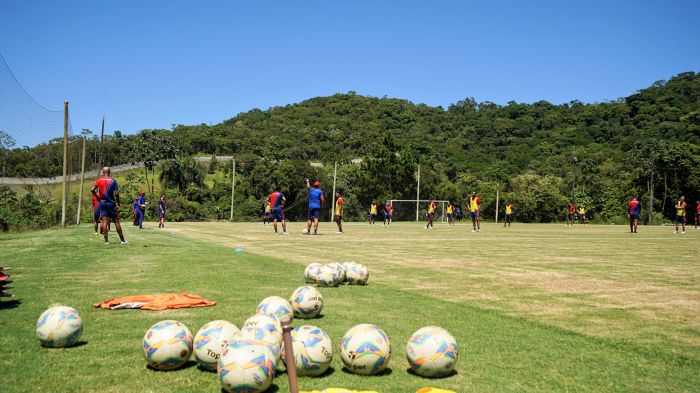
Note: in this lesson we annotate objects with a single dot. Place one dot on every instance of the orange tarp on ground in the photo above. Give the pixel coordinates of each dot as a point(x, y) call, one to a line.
point(160, 301)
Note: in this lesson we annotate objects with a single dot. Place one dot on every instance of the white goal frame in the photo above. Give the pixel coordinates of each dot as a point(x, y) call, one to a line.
point(418, 202)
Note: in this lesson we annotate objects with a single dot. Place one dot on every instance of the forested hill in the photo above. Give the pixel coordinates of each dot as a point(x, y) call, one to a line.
point(594, 148)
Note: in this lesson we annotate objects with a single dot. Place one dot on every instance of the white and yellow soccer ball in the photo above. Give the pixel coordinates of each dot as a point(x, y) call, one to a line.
point(246, 366)
point(311, 272)
point(357, 274)
point(265, 328)
point(328, 277)
point(59, 327)
point(275, 306)
point(167, 345)
point(313, 350)
point(365, 349)
point(432, 352)
point(211, 340)
point(306, 302)
point(340, 276)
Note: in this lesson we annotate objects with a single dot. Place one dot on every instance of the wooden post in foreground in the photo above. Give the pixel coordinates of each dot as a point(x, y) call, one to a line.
point(418, 194)
point(286, 323)
point(496, 206)
point(335, 173)
point(64, 203)
point(233, 186)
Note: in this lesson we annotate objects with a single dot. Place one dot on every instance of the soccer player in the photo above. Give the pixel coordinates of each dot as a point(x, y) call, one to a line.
point(95, 212)
point(141, 205)
point(697, 214)
point(450, 213)
point(581, 214)
point(107, 190)
point(316, 202)
point(509, 214)
point(373, 212)
point(388, 212)
point(134, 210)
point(268, 212)
point(474, 212)
point(680, 213)
point(338, 212)
point(162, 207)
point(277, 201)
point(571, 215)
point(633, 210)
point(431, 212)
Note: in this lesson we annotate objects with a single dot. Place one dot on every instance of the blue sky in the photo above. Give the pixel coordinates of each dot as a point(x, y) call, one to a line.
point(155, 63)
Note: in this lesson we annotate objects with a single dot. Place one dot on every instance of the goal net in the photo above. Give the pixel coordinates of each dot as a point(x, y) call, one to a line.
point(405, 210)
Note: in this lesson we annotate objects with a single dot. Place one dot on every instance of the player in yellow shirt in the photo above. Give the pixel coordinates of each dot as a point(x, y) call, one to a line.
point(474, 204)
point(581, 214)
point(268, 212)
point(509, 214)
point(450, 213)
point(431, 213)
point(338, 212)
point(373, 212)
point(680, 213)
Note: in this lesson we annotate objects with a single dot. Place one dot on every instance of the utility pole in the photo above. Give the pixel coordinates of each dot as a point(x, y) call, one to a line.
point(82, 180)
point(233, 185)
point(418, 193)
point(102, 137)
point(64, 203)
point(651, 190)
point(335, 173)
point(496, 206)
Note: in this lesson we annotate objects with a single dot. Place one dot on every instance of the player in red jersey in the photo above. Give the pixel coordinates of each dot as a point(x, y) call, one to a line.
point(697, 214)
point(108, 191)
point(95, 212)
point(277, 201)
point(571, 216)
point(633, 210)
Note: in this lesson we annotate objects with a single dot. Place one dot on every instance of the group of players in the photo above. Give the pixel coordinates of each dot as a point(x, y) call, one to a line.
point(106, 207)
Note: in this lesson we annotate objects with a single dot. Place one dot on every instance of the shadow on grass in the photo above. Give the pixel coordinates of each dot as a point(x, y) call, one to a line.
point(76, 345)
point(9, 304)
point(326, 374)
point(272, 389)
point(387, 371)
point(448, 375)
point(188, 364)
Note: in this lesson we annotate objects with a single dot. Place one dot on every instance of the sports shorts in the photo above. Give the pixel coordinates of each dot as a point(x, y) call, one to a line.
point(313, 213)
point(474, 215)
point(109, 211)
point(680, 219)
point(277, 214)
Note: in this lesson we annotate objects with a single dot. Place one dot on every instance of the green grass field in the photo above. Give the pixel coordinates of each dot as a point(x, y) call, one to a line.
point(533, 307)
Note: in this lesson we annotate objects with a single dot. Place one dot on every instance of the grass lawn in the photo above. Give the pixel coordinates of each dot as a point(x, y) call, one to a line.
point(533, 307)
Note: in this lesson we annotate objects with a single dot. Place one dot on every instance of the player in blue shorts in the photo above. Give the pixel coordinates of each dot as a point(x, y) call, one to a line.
point(277, 201)
point(107, 190)
point(162, 207)
point(141, 208)
point(633, 210)
point(316, 202)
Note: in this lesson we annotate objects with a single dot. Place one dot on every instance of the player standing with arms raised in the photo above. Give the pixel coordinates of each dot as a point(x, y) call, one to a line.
point(633, 210)
point(316, 202)
point(388, 212)
point(509, 214)
point(680, 213)
point(431, 213)
point(474, 212)
point(338, 211)
point(107, 190)
point(277, 201)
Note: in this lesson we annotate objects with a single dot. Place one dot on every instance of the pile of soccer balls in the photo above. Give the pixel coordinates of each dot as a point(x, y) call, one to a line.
point(333, 274)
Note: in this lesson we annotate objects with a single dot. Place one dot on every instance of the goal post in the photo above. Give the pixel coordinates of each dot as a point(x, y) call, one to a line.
point(415, 210)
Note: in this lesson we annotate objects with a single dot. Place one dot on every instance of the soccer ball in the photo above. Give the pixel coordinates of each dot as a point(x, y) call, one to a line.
point(266, 328)
point(328, 277)
point(340, 271)
point(167, 345)
point(307, 302)
point(211, 340)
point(357, 274)
point(432, 352)
point(313, 350)
point(311, 272)
point(275, 306)
point(59, 327)
point(365, 349)
point(246, 366)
